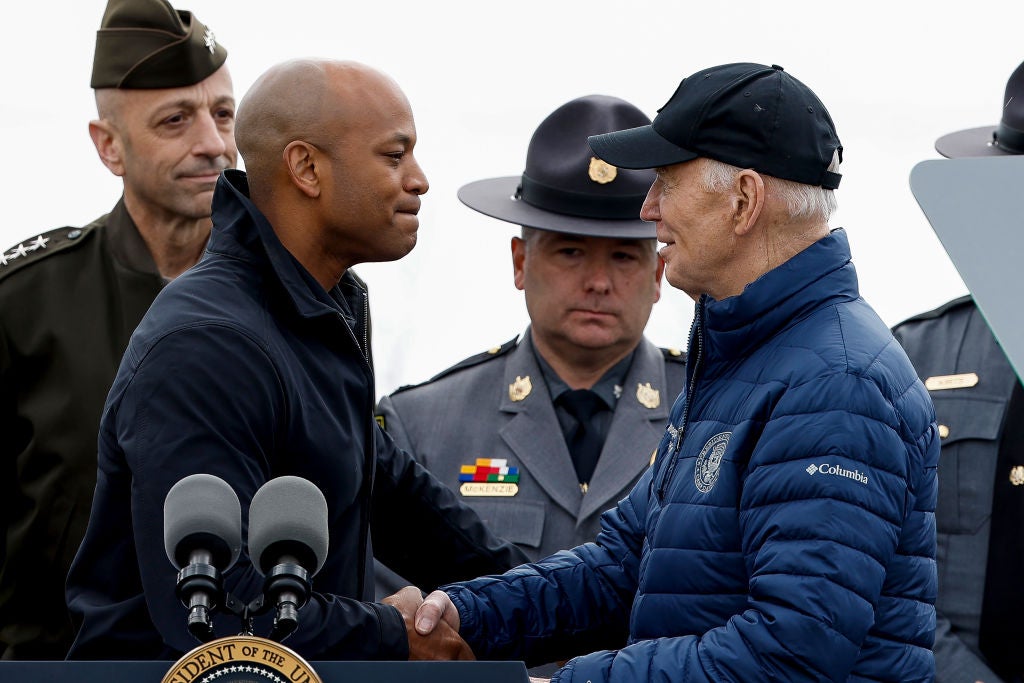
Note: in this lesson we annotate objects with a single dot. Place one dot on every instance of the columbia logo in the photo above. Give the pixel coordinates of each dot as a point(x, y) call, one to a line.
point(837, 471)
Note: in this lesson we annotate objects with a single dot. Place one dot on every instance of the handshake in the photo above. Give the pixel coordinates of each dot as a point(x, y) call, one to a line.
point(432, 625)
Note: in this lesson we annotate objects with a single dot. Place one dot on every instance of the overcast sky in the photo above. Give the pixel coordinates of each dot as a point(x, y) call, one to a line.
point(482, 75)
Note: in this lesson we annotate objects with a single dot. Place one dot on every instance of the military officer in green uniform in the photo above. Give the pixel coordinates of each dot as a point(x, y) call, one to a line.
point(541, 434)
point(71, 297)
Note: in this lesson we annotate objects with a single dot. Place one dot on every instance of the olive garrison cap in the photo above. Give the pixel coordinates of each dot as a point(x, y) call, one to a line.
point(145, 44)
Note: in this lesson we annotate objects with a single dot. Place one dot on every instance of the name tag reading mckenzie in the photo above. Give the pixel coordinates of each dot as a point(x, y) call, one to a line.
point(942, 382)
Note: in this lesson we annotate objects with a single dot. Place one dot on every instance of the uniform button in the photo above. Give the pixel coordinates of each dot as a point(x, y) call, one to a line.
point(74, 234)
point(943, 431)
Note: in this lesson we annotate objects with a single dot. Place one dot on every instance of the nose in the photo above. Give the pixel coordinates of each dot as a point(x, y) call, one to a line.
point(598, 278)
point(416, 180)
point(211, 140)
point(651, 210)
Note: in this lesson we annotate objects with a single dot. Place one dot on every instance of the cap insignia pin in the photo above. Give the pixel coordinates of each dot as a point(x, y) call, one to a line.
point(210, 41)
point(648, 396)
point(1017, 475)
point(601, 171)
point(520, 389)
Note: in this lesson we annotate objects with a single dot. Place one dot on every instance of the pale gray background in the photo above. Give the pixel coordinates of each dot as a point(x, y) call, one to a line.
point(482, 75)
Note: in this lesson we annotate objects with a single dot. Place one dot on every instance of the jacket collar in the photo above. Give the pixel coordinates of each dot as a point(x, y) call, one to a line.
point(125, 243)
point(818, 276)
point(241, 231)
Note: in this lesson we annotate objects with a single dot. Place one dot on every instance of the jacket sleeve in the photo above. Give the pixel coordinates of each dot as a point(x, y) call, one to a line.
point(210, 399)
point(573, 602)
point(423, 531)
point(821, 553)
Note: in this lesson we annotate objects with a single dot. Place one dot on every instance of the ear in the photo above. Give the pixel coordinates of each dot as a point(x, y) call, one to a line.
point(748, 200)
point(518, 259)
point(109, 145)
point(659, 271)
point(304, 164)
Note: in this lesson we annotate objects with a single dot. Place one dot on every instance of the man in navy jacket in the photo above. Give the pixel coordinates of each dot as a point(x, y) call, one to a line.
point(255, 364)
point(786, 529)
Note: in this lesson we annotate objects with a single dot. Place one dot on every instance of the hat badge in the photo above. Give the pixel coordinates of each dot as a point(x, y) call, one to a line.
point(210, 41)
point(601, 171)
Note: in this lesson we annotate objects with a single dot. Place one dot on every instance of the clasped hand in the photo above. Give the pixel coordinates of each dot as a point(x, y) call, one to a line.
point(432, 625)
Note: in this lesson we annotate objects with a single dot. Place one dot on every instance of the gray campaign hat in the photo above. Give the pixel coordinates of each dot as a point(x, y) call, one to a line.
point(565, 187)
point(1006, 137)
point(144, 44)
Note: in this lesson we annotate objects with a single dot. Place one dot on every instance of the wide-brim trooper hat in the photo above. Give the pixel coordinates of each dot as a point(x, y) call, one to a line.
point(1005, 138)
point(565, 187)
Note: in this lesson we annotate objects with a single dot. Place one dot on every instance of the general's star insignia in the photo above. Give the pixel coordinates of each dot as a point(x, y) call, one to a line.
point(20, 250)
point(210, 41)
point(39, 243)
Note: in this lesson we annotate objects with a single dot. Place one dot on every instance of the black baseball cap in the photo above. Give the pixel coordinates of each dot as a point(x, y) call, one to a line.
point(994, 140)
point(743, 114)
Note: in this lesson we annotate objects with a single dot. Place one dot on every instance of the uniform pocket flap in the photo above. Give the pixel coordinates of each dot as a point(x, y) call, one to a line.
point(968, 417)
point(518, 521)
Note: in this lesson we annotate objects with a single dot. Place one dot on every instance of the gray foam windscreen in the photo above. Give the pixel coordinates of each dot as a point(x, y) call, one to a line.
point(287, 511)
point(202, 512)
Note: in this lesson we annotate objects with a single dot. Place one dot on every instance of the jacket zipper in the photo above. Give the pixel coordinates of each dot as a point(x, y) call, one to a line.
point(696, 337)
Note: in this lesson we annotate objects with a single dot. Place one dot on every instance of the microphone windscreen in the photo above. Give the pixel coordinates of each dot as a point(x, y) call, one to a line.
point(201, 512)
point(288, 516)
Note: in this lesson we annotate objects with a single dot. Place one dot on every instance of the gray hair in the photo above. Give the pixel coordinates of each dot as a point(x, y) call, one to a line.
point(801, 200)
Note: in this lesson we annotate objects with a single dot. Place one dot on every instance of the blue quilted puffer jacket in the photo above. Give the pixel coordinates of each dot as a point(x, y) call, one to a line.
point(786, 531)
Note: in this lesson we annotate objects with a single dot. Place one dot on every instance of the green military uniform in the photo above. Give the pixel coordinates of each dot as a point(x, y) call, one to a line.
point(69, 300)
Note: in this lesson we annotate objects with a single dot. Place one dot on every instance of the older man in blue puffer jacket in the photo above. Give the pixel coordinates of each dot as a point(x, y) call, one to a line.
point(785, 531)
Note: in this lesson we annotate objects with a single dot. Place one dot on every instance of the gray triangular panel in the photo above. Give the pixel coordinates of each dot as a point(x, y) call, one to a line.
point(976, 207)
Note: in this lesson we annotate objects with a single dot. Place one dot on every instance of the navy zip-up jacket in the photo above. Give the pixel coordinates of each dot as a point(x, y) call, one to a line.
point(245, 368)
point(786, 531)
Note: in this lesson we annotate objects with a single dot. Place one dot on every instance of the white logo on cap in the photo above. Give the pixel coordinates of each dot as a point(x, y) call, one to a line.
point(210, 40)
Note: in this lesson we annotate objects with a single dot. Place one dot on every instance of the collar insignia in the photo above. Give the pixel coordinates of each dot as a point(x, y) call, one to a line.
point(648, 396)
point(520, 389)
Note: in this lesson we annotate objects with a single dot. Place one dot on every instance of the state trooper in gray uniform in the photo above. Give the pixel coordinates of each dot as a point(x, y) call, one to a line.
point(543, 433)
point(979, 404)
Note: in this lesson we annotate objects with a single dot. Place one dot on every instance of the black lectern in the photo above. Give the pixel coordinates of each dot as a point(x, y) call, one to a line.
point(330, 672)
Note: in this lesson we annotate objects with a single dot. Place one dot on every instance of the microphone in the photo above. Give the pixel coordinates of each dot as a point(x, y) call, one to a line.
point(288, 544)
point(202, 537)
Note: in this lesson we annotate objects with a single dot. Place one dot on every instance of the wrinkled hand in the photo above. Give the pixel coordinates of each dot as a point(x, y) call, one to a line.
point(431, 638)
point(438, 608)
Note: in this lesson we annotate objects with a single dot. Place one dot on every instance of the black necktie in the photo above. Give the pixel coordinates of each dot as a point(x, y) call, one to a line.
point(585, 442)
point(1003, 605)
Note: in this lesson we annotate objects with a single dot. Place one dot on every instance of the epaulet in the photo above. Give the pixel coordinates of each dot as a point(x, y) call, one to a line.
point(941, 310)
point(675, 355)
point(489, 354)
point(39, 247)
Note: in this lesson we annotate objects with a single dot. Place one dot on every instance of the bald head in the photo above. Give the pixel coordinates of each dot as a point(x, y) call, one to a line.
point(306, 99)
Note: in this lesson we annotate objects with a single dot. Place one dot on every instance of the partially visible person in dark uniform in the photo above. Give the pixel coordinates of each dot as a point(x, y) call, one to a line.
point(545, 432)
point(979, 404)
point(70, 298)
point(255, 364)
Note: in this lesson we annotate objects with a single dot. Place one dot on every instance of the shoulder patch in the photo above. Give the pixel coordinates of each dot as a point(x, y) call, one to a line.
point(941, 310)
point(35, 249)
point(489, 354)
point(675, 355)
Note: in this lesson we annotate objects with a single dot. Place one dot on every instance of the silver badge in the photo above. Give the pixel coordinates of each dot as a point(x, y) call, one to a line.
point(210, 41)
point(709, 462)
